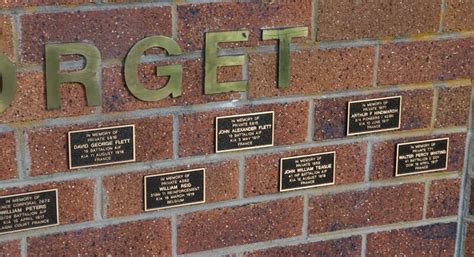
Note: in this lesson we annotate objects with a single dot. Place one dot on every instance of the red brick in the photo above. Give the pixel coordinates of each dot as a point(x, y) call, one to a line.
point(10, 248)
point(444, 198)
point(426, 61)
point(8, 156)
point(6, 36)
point(312, 71)
point(30, 3)
point(48, 146)
point(432, 240)
point(383, 155)
point(196, 134)
point(375, 206)
point(453, 106)
point(350, 246)
point(143, 238)
point(247, 224)
point(330, 114)
point(196, 19)
point(75, 198)
point(262, 171)
point(458, 15)
point(469, 240)
point(339, 19)
point(117, 97)
point(109, 30)
point(124, 193)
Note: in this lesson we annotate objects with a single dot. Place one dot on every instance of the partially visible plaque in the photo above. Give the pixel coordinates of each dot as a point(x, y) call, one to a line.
point(27, 211)
point(102, 146)
point(175, 189)
point(374, 115)
point(246, 131)
point(422, 156)
point(307, 171)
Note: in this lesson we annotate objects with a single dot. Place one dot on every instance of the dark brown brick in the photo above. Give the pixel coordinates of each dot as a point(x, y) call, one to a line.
point(339, 19)
point(247, 224)
point(453, 106)
point(48, 146)
point(375, 206)
point(144, 238)
point(350, 246)
point(196, 19)
point(425, 61)
point(124, 193)
point(383, 155)
point(312, 71)
point(458, 15)
point(196, 133)
point(469, 240)
point(432, 240)
point(330, 115)
point(6, 36)
point(109, 30)
point(10, 248)
point(471, 202)
point(444, 198)
point(30, 3)
point(262, 171)
point(8, 156)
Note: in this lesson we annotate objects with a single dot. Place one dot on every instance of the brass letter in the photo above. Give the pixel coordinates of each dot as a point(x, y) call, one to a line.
point(87, 76)
point(175, 72)
point(8, 82)
point(212, 61)
point(284, 36)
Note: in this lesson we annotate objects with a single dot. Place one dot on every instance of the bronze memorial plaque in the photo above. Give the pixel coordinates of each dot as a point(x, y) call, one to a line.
point(101, 146)
point(374, 115)
point(422, 156)
point(175, 189)
point(27, 211)
point(307, 171)
point(246, 131)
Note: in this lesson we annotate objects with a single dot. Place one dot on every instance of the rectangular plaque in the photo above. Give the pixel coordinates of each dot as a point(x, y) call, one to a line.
point(307, 171)
point(102, 146)
point(374, 115)
point(27, 211)
point(422, 156)
point(175, 189)
point(246, 131)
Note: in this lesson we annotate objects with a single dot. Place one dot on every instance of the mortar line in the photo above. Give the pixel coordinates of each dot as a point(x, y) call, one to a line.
point(434, 110)
point(305, 216)
point(314, 19)
point(310, 127)
point(174, 21)
point(375, 78)
point(23, 247)
point(16, 30)
point(174, 236)
point(426, 197)
point(441, 16)
point(363, 250)
point(20, 149)
point(368, 161)
point(98, 199)
point(175, 136)
point(241, 177)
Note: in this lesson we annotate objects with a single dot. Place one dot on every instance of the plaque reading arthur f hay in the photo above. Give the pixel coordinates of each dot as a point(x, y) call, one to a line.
point(102, 146)
point(422, 156)
point(175, 189)
point(27, 211)
point(374, 115)
point(247, 131)
point(307, 171)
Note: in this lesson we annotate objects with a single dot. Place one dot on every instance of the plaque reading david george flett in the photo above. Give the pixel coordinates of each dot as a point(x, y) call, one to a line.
point(247, 131)
point(27, 211)
point(422, 156)
point(307, 171)
point(102, 146)
point(374, 115)
point(175, 189)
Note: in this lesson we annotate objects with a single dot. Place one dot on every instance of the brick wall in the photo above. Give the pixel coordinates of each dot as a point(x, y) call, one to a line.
point(421, 50)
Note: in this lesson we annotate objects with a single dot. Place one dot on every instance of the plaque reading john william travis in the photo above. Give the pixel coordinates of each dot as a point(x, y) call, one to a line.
point(246, 131)
point(27, 211)
point(422, 156)
point(374, 115)
point(175, 189)
point(102, 146)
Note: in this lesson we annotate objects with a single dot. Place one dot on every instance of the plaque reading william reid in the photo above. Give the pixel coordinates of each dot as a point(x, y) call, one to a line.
point(307, 171)
point(247, 131)
point(102, 146)
point(27, 211)
point(175, 189)
point(422, 156)
point(374, 115)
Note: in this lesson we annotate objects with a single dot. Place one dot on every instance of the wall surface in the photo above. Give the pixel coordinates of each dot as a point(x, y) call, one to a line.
point(355, 50)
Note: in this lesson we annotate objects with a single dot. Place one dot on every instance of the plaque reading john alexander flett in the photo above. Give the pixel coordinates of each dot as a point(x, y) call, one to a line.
point(374, 115)
point(175, 189)
point(27, 211)
point(422, 156)
point(307, 171)
point(102, 146)
point(246, 131)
